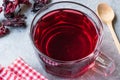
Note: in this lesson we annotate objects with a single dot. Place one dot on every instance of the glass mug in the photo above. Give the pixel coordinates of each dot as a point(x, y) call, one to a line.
point(67, 37)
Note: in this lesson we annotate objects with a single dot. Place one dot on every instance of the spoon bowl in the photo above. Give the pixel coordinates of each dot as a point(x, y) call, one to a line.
point(106, 13)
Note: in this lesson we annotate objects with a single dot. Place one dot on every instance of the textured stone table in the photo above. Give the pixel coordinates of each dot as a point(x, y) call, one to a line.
point(18, 44)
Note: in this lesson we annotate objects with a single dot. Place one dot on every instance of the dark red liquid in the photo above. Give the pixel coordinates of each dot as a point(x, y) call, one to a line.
point(65, 34)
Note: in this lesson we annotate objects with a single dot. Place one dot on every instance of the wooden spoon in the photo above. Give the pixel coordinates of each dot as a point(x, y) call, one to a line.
point(106, 13)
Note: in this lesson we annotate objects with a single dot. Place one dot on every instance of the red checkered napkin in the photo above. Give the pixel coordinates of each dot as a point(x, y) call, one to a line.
point(19, 70)
point(6, 74)
point(23, 70)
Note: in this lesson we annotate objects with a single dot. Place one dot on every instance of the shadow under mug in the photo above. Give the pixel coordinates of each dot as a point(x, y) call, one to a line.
point(41, 34)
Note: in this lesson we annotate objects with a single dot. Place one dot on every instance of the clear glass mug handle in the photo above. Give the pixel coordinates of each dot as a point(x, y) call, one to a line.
point(104, 65)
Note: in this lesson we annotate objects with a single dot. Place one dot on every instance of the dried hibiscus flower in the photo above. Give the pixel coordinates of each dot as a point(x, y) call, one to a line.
point(38, 4)
point(17, 21)
point(14, 18)
point(11, 6)
point(3, 30)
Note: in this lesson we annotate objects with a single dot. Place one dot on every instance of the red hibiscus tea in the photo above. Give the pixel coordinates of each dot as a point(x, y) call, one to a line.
point(65, 35)
point(67, 38)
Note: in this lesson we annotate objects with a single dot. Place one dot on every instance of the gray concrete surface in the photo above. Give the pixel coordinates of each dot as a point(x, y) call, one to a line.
point(18, 44)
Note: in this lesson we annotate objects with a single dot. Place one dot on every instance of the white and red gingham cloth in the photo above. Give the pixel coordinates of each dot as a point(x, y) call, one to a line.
point(20, 70)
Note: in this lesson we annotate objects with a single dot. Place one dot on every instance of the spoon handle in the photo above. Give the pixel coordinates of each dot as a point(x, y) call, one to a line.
point(116, 41)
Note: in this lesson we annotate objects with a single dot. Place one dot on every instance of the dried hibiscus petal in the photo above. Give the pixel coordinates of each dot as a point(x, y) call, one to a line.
point(17, 2)
point(45, 1)
point(0, 9)
point(9, 15)
point(38, 4)
point(3, 30)
point(17, 21)
point(9, 6)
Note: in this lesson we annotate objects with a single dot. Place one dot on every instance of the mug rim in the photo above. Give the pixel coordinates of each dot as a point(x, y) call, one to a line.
point(61, 61)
